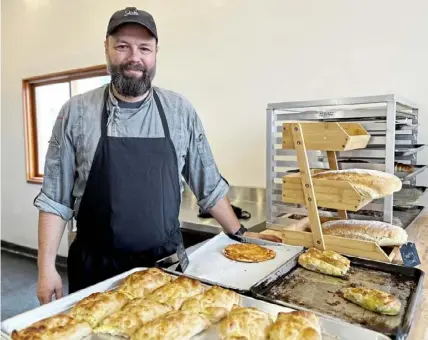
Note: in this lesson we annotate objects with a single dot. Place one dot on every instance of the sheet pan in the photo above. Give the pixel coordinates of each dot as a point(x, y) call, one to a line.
point(331, 329)
point(295, 287)
point(208, 264)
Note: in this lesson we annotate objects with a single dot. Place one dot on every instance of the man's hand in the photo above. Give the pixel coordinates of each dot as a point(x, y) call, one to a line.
point(48, 284)
point(271, 238)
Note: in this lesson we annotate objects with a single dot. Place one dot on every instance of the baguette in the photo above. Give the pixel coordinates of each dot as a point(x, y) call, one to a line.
point(370, 184)
point(384, 234)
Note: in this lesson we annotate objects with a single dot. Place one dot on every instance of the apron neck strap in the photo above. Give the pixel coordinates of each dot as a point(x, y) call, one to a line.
point(161, 114)
point(158, 104)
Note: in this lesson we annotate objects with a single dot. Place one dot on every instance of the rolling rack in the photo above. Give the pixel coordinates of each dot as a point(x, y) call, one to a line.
point(392, 124)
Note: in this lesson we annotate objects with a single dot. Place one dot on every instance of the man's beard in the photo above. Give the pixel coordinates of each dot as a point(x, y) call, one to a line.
point(131, 86)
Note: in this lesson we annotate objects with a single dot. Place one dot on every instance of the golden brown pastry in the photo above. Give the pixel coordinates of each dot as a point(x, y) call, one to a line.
point(246, 323)
point(141, 283)
point(325, 262)
point(177, 325)
point(58, 327)
point(374, 300)
point(176, 292)
point(215, 303)
point(245, 252)
point(132, 316)
point(97, 306)
point(297, 325)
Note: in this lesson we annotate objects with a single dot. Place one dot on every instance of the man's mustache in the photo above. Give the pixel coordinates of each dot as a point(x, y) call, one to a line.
point(133, 67)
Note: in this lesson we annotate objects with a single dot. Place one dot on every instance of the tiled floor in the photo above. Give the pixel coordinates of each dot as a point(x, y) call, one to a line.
point(19, 284)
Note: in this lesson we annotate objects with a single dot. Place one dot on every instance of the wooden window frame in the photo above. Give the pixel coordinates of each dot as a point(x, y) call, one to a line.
point(30, 116)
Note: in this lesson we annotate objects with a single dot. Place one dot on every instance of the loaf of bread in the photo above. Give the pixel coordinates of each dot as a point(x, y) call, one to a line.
point(384, 234)
point(400, 167)
point(370, 184)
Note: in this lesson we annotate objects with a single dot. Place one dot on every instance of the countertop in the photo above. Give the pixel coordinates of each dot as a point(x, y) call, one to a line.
point(418, 234)
point(189, 219)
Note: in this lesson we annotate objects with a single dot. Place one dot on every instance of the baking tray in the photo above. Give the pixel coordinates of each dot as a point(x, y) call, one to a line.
point(207, 263)
point(295, 287)
point(331, 329)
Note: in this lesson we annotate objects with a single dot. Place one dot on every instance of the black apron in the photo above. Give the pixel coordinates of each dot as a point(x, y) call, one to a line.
point(128, 215)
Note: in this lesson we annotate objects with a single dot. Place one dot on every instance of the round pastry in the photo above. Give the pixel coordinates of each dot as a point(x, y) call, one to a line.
point(244, 252)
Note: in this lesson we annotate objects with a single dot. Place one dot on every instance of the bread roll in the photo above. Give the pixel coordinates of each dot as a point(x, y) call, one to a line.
point(370, 184)
point(384, 234)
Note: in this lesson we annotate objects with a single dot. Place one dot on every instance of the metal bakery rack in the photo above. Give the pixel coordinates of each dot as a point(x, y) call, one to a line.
point(365, 132)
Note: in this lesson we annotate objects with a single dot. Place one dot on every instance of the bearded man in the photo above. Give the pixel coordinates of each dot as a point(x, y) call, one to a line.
point(115, 162)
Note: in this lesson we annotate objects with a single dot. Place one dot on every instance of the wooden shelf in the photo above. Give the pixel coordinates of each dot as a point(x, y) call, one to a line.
point(301, 188)
point(330, 194)
point(329, 136)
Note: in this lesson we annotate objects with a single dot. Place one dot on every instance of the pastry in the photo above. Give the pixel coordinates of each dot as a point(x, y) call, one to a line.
point(297, 325)
point(141, 283)
point(176, 292)
point(215, 303)
point(177, 325)
point(245, 252)
point(384, 234)
point(97, 306)
point(325, 262)
point(58, 327)
point(132, 316)
point(373, 300)
point(245, 323)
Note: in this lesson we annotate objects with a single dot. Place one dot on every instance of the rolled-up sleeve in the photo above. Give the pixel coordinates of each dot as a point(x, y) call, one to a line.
point(56, 194)
point(200, 170)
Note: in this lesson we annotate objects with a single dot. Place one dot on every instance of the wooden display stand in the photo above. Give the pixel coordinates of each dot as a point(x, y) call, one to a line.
point(301, 188)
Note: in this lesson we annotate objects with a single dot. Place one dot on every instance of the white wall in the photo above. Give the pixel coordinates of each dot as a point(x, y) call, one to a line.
point(229, 57)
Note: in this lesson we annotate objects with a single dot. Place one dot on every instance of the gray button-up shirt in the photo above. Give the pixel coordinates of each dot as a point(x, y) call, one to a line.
point(78, 128)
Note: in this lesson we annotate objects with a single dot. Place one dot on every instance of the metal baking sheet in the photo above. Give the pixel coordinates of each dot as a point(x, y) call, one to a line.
point(295, 287)
point(331, 329)
point(209, 264)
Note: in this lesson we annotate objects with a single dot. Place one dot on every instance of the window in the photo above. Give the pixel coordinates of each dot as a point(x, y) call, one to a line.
point(43, 97)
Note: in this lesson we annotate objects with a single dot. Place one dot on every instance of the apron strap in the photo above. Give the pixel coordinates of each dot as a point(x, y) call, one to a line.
point(104, 114)
point(161, 114)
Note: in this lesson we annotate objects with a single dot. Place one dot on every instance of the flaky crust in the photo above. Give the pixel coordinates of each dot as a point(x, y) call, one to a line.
point(97, 306)
point(215, 303)
point(371, 184)
point(245, 252)
point(177, 325)
point(325, 262)
point(373, 299)
point(132, 316)
point(58, 327)
point(245, 323)
point(142, 283)
point(176, 292)
point(297, 325)
point(384, 234)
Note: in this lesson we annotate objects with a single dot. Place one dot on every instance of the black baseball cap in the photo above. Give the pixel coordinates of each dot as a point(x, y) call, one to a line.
point(132, 15)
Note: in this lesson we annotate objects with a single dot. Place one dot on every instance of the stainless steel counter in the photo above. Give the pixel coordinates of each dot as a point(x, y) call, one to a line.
point(249, 199)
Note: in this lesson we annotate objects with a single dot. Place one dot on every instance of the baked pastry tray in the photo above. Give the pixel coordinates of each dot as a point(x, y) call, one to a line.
point(331, 329)
point(208, 264)
point(295, 287)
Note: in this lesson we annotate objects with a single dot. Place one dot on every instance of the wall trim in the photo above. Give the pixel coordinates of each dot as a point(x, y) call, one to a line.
point(61, 261)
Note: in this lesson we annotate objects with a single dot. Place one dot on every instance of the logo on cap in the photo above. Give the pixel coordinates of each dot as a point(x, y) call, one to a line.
point(131, 12)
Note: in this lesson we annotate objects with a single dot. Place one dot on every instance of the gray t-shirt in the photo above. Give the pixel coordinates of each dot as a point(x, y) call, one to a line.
point(77, 131)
